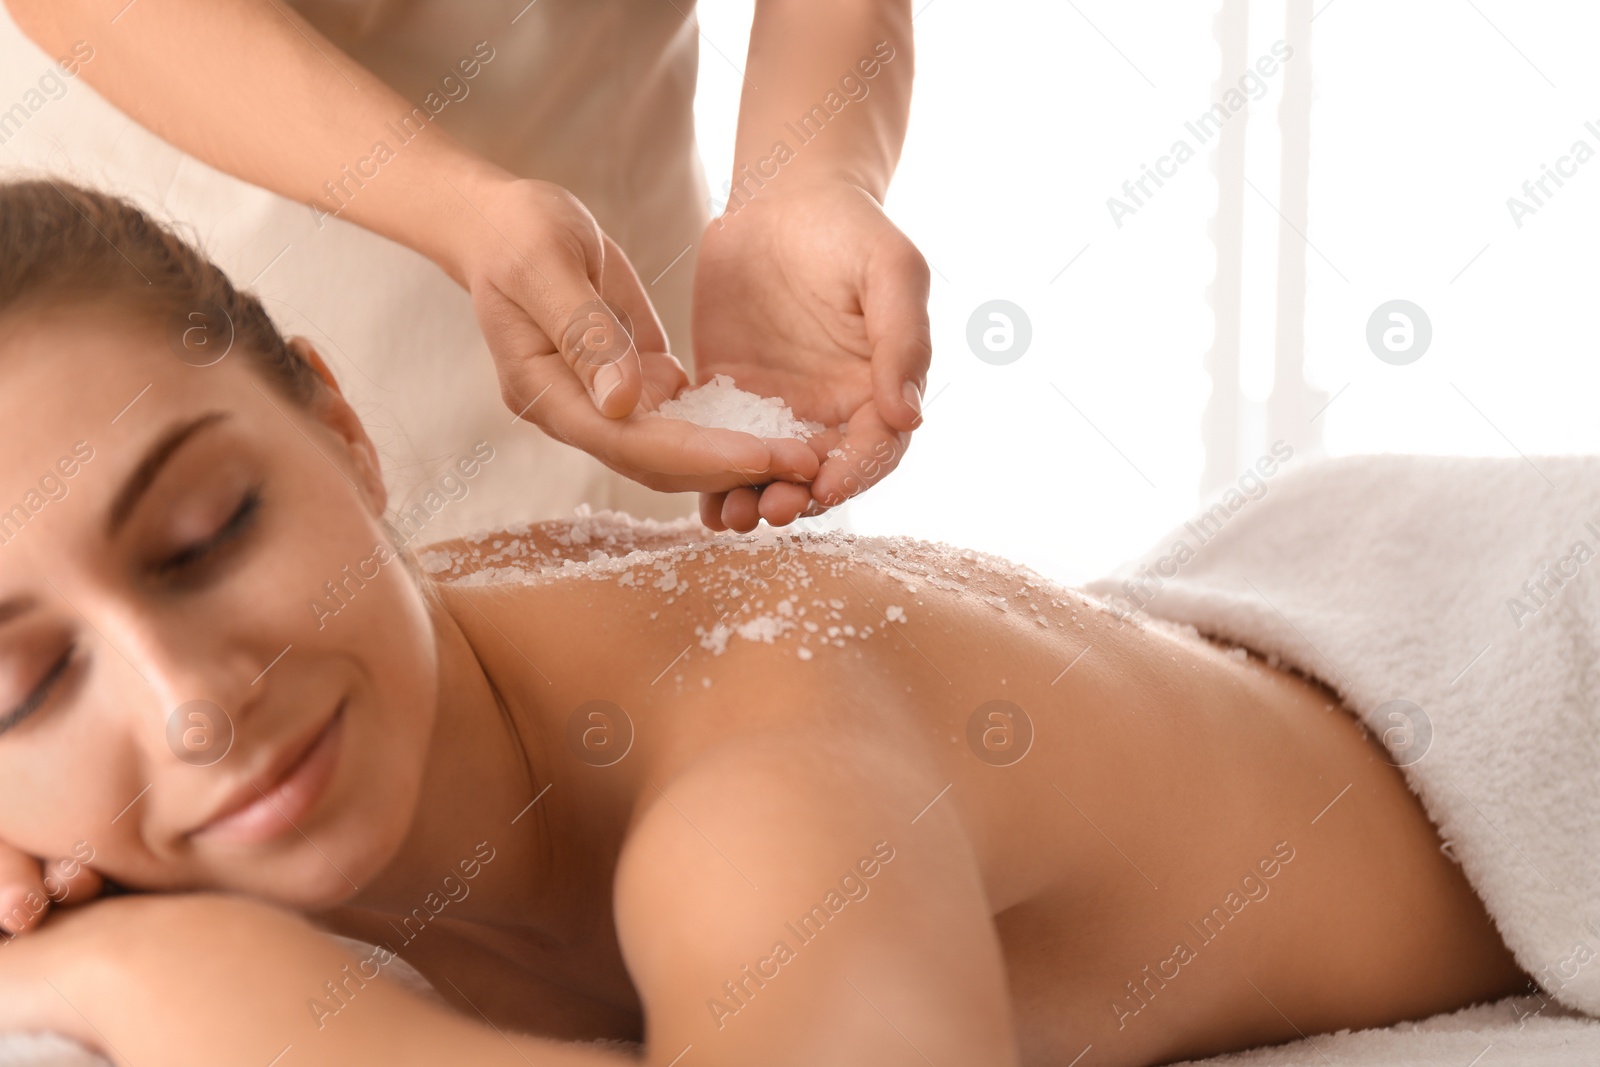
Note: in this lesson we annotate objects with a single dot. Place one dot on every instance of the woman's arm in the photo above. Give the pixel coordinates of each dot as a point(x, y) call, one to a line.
point(777, 904)
point(200, 979)
point(801, 51)
point(253, 89)
point(804, 288)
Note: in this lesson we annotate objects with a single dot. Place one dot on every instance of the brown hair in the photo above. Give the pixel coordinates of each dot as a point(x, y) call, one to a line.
point(62, 244)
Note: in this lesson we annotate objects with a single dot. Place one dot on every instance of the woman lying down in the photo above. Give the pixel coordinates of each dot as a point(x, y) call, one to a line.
point(725, 801)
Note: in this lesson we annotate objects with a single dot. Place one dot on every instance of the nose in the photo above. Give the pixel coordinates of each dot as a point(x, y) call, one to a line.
point(200, 685)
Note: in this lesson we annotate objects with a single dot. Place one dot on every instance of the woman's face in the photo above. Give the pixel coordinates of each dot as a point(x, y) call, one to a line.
point(214, 672)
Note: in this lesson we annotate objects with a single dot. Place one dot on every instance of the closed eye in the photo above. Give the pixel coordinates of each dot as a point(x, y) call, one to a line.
point(41, 693)
point(236, 524)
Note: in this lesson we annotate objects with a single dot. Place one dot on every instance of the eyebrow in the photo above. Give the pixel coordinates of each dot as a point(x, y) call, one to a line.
point(155, 457)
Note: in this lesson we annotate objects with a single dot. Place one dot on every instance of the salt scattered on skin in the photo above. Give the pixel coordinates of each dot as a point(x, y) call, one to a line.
point(757, 584)
point(720, 404)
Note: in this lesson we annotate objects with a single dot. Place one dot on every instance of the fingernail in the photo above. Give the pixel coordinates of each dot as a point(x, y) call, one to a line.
point(913, 395)
point(606, 380)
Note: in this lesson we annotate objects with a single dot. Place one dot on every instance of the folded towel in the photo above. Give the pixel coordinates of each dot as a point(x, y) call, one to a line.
point(1488, 1035)
point(1452, 604)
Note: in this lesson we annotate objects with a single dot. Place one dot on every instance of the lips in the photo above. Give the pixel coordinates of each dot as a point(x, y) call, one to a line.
point(273, 802)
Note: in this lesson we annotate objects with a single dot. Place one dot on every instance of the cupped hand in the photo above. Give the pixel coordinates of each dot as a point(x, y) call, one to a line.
point(29, 887)
point(579, 350)
point(811, 294)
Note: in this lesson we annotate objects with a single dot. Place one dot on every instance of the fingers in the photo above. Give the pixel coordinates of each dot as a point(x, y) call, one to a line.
point(23, 902)
point(869, 450)
point(895, 305)
point(711, 510)
point(68, 882)
point(607, 340)
point(622, 287)
point(556, 277)
point(597, 345)
point(793, 460)
point(783, 502)
point(741, 509)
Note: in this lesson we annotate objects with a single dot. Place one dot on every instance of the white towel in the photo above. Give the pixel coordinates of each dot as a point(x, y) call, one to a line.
point(1503, 1034)
point(1466, 587)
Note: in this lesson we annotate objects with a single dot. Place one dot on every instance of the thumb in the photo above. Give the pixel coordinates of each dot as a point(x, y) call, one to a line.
point(895, 306)
point(561, 294)
point(596, 339)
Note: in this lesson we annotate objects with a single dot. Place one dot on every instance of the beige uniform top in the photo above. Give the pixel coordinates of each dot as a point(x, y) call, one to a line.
point(595, 95)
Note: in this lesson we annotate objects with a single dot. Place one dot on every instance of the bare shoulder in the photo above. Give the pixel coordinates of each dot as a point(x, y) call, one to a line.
point(737, 866)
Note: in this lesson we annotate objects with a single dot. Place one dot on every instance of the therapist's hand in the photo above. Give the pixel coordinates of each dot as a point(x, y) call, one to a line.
point(578, 348)
point(811, 294)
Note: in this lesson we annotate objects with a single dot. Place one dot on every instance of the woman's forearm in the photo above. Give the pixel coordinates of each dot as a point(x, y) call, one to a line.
point(252, 89)
point(827, 92)
point(191, 980)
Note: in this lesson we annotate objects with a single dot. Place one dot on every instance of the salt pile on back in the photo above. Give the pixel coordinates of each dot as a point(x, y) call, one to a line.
point(722, 405)
point(759, 587)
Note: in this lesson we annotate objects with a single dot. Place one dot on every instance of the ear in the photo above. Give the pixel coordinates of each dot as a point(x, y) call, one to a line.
point(336, 413)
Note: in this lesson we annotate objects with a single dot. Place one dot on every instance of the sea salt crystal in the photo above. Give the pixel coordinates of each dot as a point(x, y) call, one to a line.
point(895, 613)
point(763, 628)
point(722, 405)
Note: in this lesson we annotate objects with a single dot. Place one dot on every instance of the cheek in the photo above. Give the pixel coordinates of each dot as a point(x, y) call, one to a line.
point(386, 631)
point(65, 792)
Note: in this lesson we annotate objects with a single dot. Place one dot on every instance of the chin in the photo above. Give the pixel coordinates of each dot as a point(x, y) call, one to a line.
point(326, 868)
point(357, 833)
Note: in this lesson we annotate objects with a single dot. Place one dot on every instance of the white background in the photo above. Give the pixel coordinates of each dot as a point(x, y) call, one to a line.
point(1028, 114)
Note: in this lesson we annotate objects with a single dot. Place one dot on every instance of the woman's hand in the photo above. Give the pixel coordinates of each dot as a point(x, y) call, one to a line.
point(811, 294)
point(29, 887)
point(181, 979)
point(578, 347)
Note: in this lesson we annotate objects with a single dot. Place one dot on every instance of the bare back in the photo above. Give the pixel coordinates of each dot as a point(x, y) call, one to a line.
point(1182, 850)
